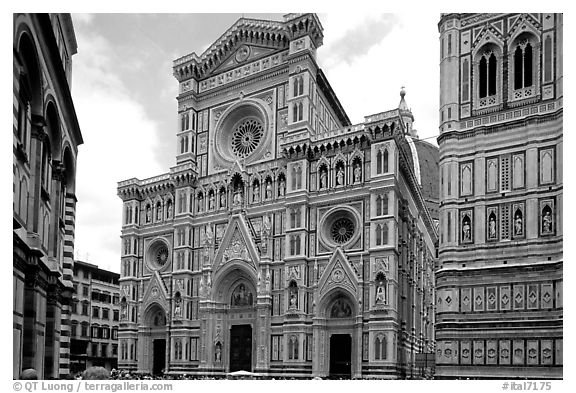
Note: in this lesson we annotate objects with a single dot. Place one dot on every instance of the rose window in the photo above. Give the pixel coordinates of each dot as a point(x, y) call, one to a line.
point(342, 230)
point(246, 137)
point(162, 255)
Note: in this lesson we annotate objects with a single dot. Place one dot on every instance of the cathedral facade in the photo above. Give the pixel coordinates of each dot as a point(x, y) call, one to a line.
point(499, 282)
point(46, 136)
point(285, 240)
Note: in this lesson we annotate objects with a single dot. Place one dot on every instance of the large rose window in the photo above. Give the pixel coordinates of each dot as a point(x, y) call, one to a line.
point(243, 132)
point(246, 137)
point(340, 227)
point(158, 255)
point(342, 230)
point(162, 255)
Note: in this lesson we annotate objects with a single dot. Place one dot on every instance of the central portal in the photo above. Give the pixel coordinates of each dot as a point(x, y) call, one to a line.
point(159, 357)
point(241, 348)
point(340, 356)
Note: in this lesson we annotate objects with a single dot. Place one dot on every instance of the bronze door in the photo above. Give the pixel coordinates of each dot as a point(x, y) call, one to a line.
point(241, 348)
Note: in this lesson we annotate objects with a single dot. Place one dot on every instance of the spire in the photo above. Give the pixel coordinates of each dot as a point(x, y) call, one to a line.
point(406, 114)
point(402, 105)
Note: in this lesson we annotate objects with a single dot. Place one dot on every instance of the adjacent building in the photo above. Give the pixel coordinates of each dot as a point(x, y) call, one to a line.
point(95, 318)
point(45, 138)
point(499, 284)
point(285, 240)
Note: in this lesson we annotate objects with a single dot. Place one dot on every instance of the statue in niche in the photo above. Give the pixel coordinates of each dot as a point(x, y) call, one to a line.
point(518, 225)
point(293, 300)
point(178, 307)
point(208, 235)
point(492, 228)
point(222, 199)
point(339, 177)
point(158, 212)
point(238, 196)
point(268, 189)
point(124, 311)
point(547, 222)
point(380, 294)
point(218, 352)
point(256, 193)
point(466, 229)
point(148, 213)
point(170, 209)
point(211, 201)
point(357, 174)
point(268, 281)
point(266, 227)
point(200, 203)
point(340, 309)
point(208, 284)
point(323, 178)
point(282, 187)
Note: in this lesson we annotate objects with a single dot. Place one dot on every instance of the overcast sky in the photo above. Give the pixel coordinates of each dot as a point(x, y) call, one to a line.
point(124, 94)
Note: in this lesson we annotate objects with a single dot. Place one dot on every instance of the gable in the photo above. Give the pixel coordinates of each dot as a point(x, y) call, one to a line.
point(156, 292)
point(242, 55)
point(339, 273)
point(236, 245)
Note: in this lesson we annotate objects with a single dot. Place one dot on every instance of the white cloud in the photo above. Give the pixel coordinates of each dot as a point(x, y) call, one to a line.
point(370, 81)
point(119, 143)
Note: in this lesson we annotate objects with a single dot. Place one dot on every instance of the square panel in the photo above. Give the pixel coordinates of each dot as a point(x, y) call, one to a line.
point(518, 352)
point(466, 300)
point(465, 352)
point(491, 299)
point(478, 352)
point(518, 297)
point(532, 354)
point(505, 298)
point(491, 352)
point(504, 352)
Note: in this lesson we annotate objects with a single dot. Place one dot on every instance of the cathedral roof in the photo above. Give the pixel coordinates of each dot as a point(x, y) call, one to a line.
point(274, 35)
point(424, 158)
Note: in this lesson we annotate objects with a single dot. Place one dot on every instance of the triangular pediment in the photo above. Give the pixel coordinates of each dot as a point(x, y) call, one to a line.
point(236, 245)
point(243, 55)
point(339, 273)
point(487, 35)
point(156, 292)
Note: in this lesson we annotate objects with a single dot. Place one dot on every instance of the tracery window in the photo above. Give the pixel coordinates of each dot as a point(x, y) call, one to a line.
point(487, 74)
point(293, 348)
point(298, 85)
point(523, 60)
point(298, 112)
point(385, 161)
point(380, 347)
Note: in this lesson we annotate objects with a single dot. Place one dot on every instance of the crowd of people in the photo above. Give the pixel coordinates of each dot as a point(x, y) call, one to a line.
point(100, 373)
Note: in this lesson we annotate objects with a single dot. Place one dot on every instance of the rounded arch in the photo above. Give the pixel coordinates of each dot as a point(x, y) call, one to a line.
point(334, 296)
point(32, 78)
point(53, 128)
point(70, 169)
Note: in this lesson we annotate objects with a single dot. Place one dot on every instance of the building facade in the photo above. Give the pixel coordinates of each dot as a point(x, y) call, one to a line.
point(95, 318)
point(499, 282)
point(46, 136)
point(285, 240)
